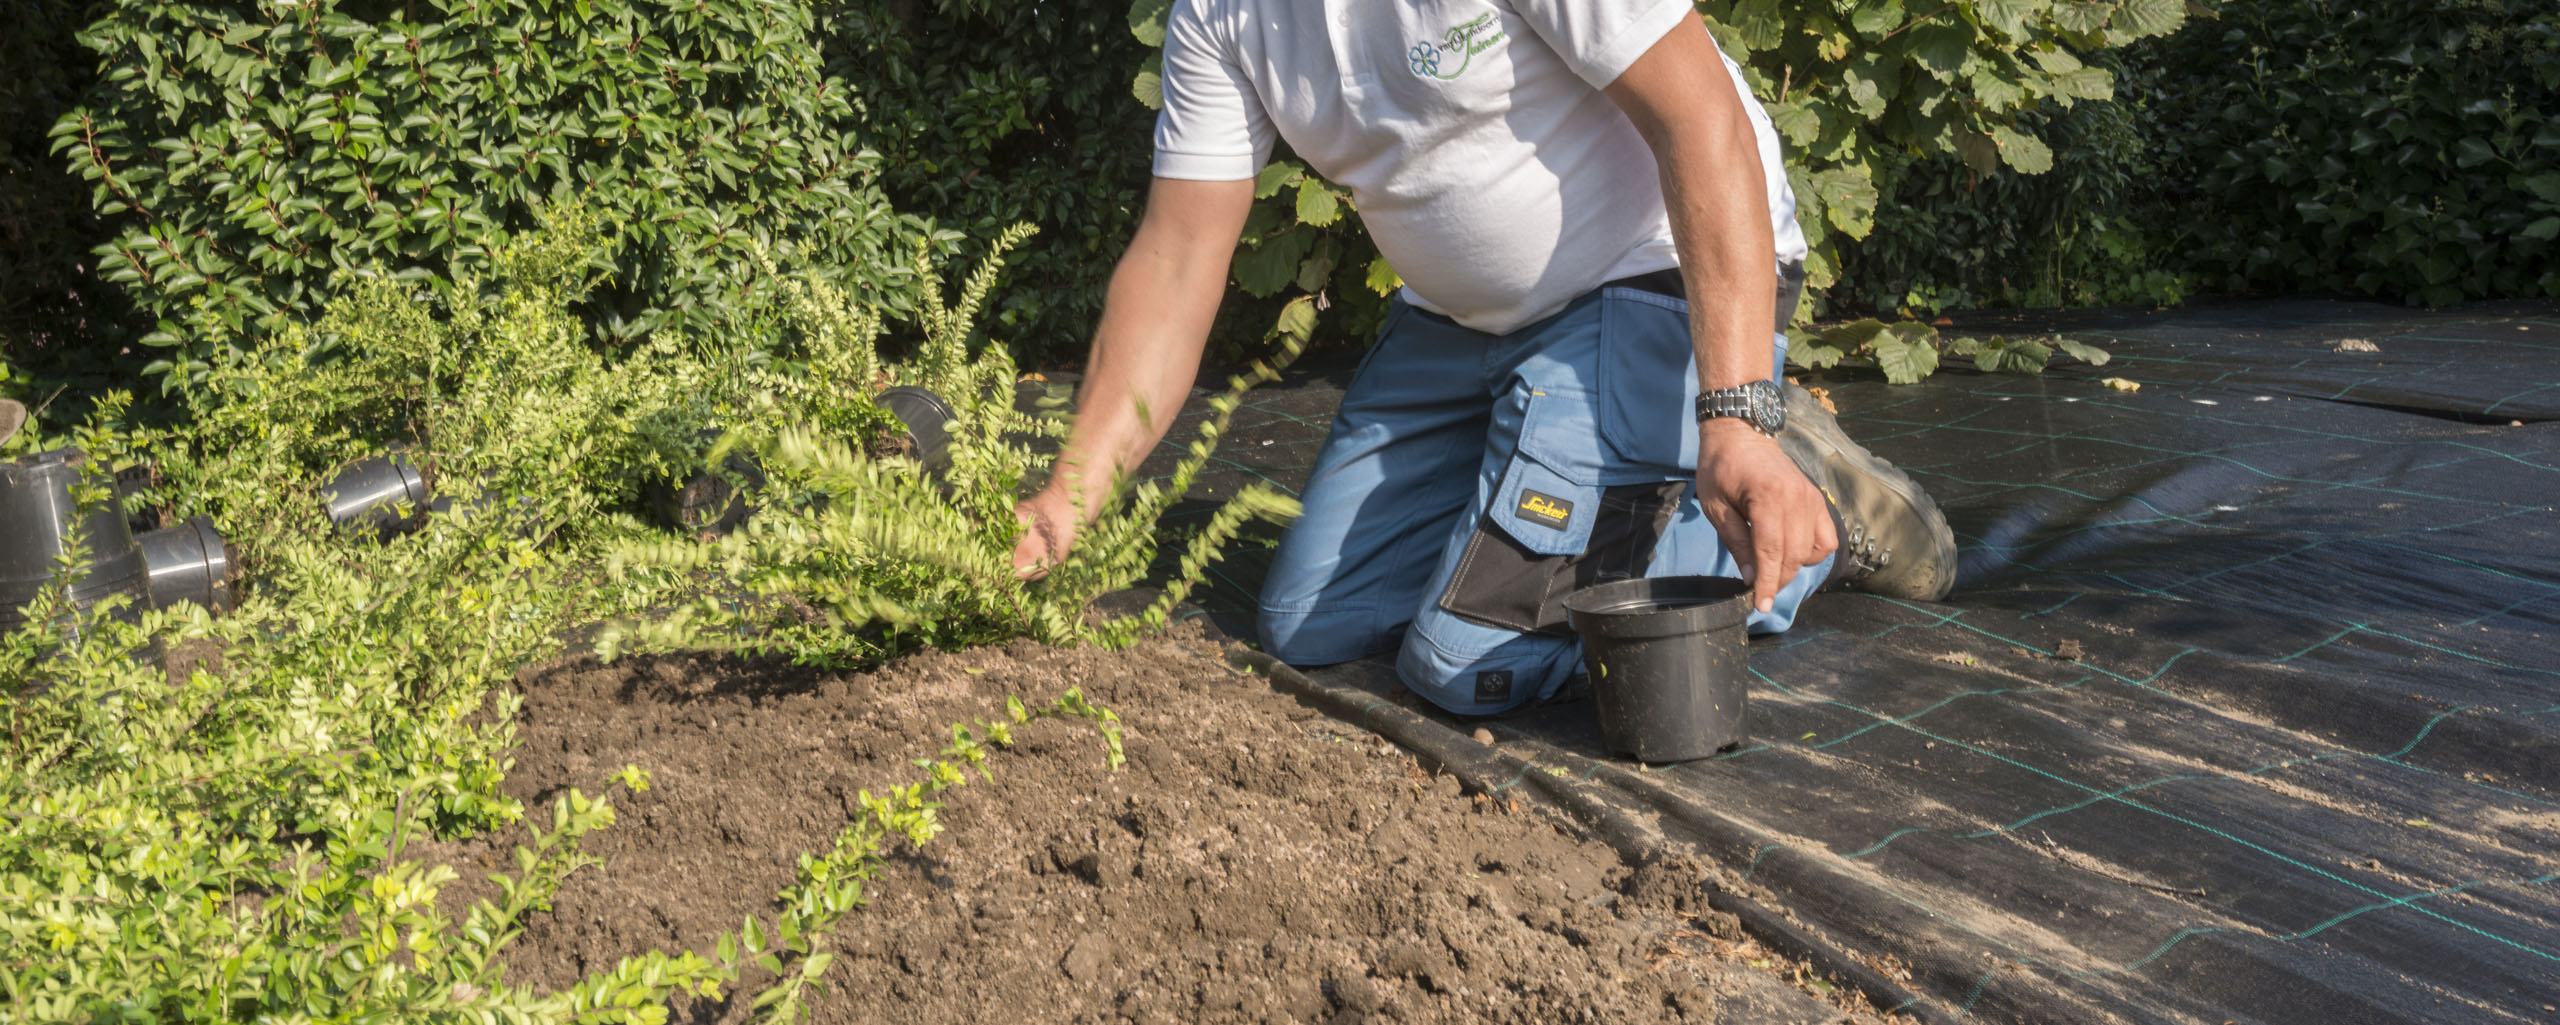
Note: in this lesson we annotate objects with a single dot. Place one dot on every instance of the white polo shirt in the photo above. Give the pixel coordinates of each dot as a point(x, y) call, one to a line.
point(1473, 135)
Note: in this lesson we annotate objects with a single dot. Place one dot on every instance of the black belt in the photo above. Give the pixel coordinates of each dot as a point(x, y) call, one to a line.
point(1667, 282)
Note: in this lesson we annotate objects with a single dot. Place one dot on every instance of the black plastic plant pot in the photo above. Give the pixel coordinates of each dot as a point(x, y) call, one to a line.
point(132, 481)
point(370, 493)
point(188, 562)
point(927, 418)
point(1666, 660)
point(710, 502)
point(37, 517)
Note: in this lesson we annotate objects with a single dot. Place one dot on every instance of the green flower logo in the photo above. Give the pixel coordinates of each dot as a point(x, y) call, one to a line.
point(1463, 40)
point(1426, 60)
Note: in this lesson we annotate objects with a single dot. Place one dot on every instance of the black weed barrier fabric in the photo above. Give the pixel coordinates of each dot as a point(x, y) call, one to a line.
point(2247, 707)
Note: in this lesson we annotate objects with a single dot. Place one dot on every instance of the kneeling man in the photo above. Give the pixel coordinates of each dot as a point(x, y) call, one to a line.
point(1579, 381)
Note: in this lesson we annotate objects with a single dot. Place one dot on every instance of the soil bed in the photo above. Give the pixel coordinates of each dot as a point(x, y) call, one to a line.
point(1254, 861)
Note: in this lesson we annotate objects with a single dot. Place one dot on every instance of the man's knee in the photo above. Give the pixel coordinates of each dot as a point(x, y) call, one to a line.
point(1496, 673)
point(1321, 637)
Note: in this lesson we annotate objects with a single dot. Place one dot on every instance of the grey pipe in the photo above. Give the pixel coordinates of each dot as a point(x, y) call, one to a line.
point(368, 494)
point(188, 562)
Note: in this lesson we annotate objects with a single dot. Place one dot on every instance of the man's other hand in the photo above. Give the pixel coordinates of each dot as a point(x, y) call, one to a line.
point(1771, 518)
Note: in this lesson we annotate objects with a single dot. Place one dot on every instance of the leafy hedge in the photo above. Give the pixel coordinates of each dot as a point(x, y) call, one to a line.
point(46, 226)
point(1946, 154)
point(244, 154)
point(1947, 237)
point(1856, 87)
point(992, 114)
point(2407, 150)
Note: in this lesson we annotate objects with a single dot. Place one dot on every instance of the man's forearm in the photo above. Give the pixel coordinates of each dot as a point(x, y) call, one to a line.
point(1712, 184)
point(1155, 321)
point(1681, 99)
point(1146, 353)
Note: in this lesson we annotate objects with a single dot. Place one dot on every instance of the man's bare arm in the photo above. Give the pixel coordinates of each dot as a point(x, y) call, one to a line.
point(1155, 322)
point(1684, 103)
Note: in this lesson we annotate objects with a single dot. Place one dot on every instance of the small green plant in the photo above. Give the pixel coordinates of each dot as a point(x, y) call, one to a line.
point(830, 885)
point(853, 553)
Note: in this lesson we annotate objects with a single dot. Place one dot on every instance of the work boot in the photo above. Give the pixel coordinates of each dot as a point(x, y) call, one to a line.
point(1893, 540)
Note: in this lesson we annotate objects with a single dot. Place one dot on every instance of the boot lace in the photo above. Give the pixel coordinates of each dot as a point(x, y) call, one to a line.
point(1865, 553)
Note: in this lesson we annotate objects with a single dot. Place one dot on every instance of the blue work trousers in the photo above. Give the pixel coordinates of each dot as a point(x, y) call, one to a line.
point(1472, 480)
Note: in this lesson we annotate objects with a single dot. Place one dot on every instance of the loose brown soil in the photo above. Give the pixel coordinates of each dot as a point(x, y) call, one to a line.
point(1255, 861)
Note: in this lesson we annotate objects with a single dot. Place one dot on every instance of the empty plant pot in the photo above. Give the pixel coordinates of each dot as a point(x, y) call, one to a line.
point(37, 518)
point(1666, 660)
point(927, 418)
point(711, 501)
point(369, 494)
point(132, 481)
point(188, 562)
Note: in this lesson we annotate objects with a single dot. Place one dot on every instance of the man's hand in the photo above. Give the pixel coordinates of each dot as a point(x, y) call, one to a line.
point(1771, 518)
point(1049, 522)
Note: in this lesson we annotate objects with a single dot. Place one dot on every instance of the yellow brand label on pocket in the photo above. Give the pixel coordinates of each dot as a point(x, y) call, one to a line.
point(1547, 509)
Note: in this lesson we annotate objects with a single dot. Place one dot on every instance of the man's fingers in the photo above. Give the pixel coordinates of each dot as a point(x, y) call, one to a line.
point(1806, 528)
point(1030, 556)
point(1733, 530)
point(1769, 566)
point(1826, 537)
point(1037, 549)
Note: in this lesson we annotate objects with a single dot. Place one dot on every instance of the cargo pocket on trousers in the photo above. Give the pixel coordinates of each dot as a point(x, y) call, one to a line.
point(1552, 530)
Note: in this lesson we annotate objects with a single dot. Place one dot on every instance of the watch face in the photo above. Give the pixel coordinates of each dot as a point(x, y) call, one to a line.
point(1759, 404)
point(1771, 407)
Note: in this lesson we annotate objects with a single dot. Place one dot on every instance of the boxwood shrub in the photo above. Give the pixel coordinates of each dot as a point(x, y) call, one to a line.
point(242, 154)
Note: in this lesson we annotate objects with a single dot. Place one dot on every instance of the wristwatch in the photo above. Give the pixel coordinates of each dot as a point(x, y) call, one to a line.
point(1759, 404)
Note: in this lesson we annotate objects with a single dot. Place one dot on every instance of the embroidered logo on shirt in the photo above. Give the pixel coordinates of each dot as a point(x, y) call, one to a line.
point(1465, 39)
point(1544, 508)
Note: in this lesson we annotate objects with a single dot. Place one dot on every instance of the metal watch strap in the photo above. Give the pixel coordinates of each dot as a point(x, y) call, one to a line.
point(1759, 404)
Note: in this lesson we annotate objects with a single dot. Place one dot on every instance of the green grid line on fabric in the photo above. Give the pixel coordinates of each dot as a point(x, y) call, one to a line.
point(2011, 952)
point(2100, 402)
point(2208, 829)
point(2217, 457)
point(2387, 902)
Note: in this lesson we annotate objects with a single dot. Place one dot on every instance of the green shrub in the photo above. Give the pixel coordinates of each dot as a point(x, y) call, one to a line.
point(245, 154)
point(1855, 89)
point(1949, 238)
point(221, 839)
point(989, 115)
point(46, 226)
point(850, 552)
point(227, 836)
point(2410, 151)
